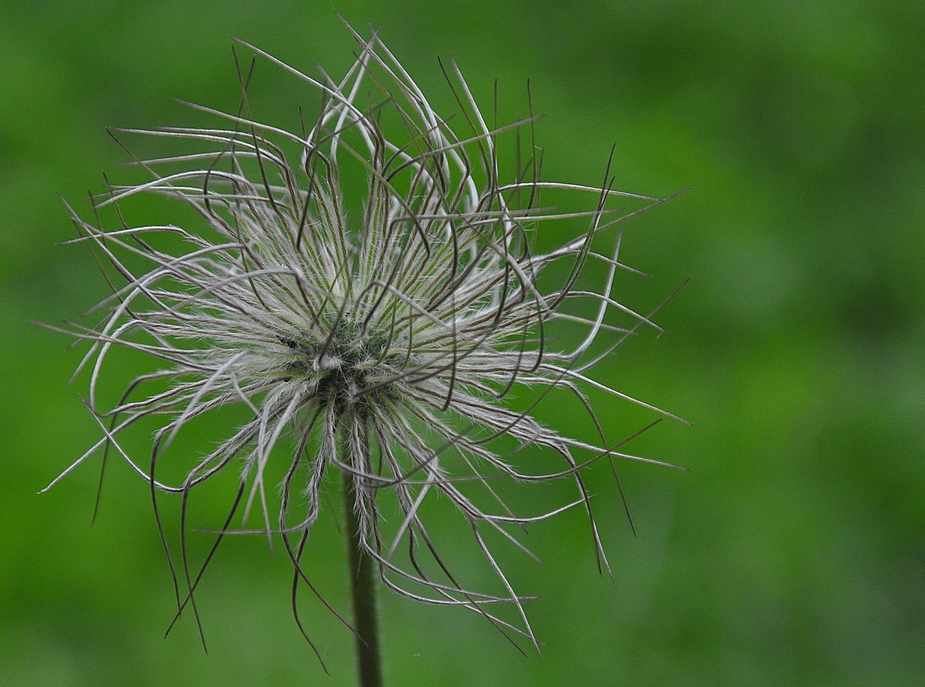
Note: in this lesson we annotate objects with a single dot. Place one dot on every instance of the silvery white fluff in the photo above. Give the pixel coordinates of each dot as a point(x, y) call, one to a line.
point(383, 342)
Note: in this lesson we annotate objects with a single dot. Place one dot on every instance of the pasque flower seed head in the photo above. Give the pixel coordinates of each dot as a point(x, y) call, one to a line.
point(382, 340)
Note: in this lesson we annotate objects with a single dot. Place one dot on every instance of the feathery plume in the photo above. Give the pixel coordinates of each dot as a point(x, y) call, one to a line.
point(381, 337)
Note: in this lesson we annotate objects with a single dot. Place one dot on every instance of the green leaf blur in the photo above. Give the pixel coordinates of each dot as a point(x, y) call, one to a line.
point(792, 553)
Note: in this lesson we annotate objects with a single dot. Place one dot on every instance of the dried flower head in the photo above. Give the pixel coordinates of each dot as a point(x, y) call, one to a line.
point(382, 339)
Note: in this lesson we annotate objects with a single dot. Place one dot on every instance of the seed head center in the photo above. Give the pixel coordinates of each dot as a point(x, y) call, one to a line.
point(346, 371)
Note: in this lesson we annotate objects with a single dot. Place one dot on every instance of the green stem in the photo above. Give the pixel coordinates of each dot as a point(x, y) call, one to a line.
point(363, 590)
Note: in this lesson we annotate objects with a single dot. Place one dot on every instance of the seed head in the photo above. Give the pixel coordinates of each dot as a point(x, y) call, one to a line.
point(378, 333)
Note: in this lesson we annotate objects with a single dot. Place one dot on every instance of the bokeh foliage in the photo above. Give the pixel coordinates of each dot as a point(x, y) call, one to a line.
point(793, 552)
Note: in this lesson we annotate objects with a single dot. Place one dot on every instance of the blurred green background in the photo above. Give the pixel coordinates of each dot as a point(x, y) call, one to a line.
point(791, 553)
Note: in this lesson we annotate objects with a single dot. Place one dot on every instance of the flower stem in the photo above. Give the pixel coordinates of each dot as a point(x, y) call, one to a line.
point(363, 591)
